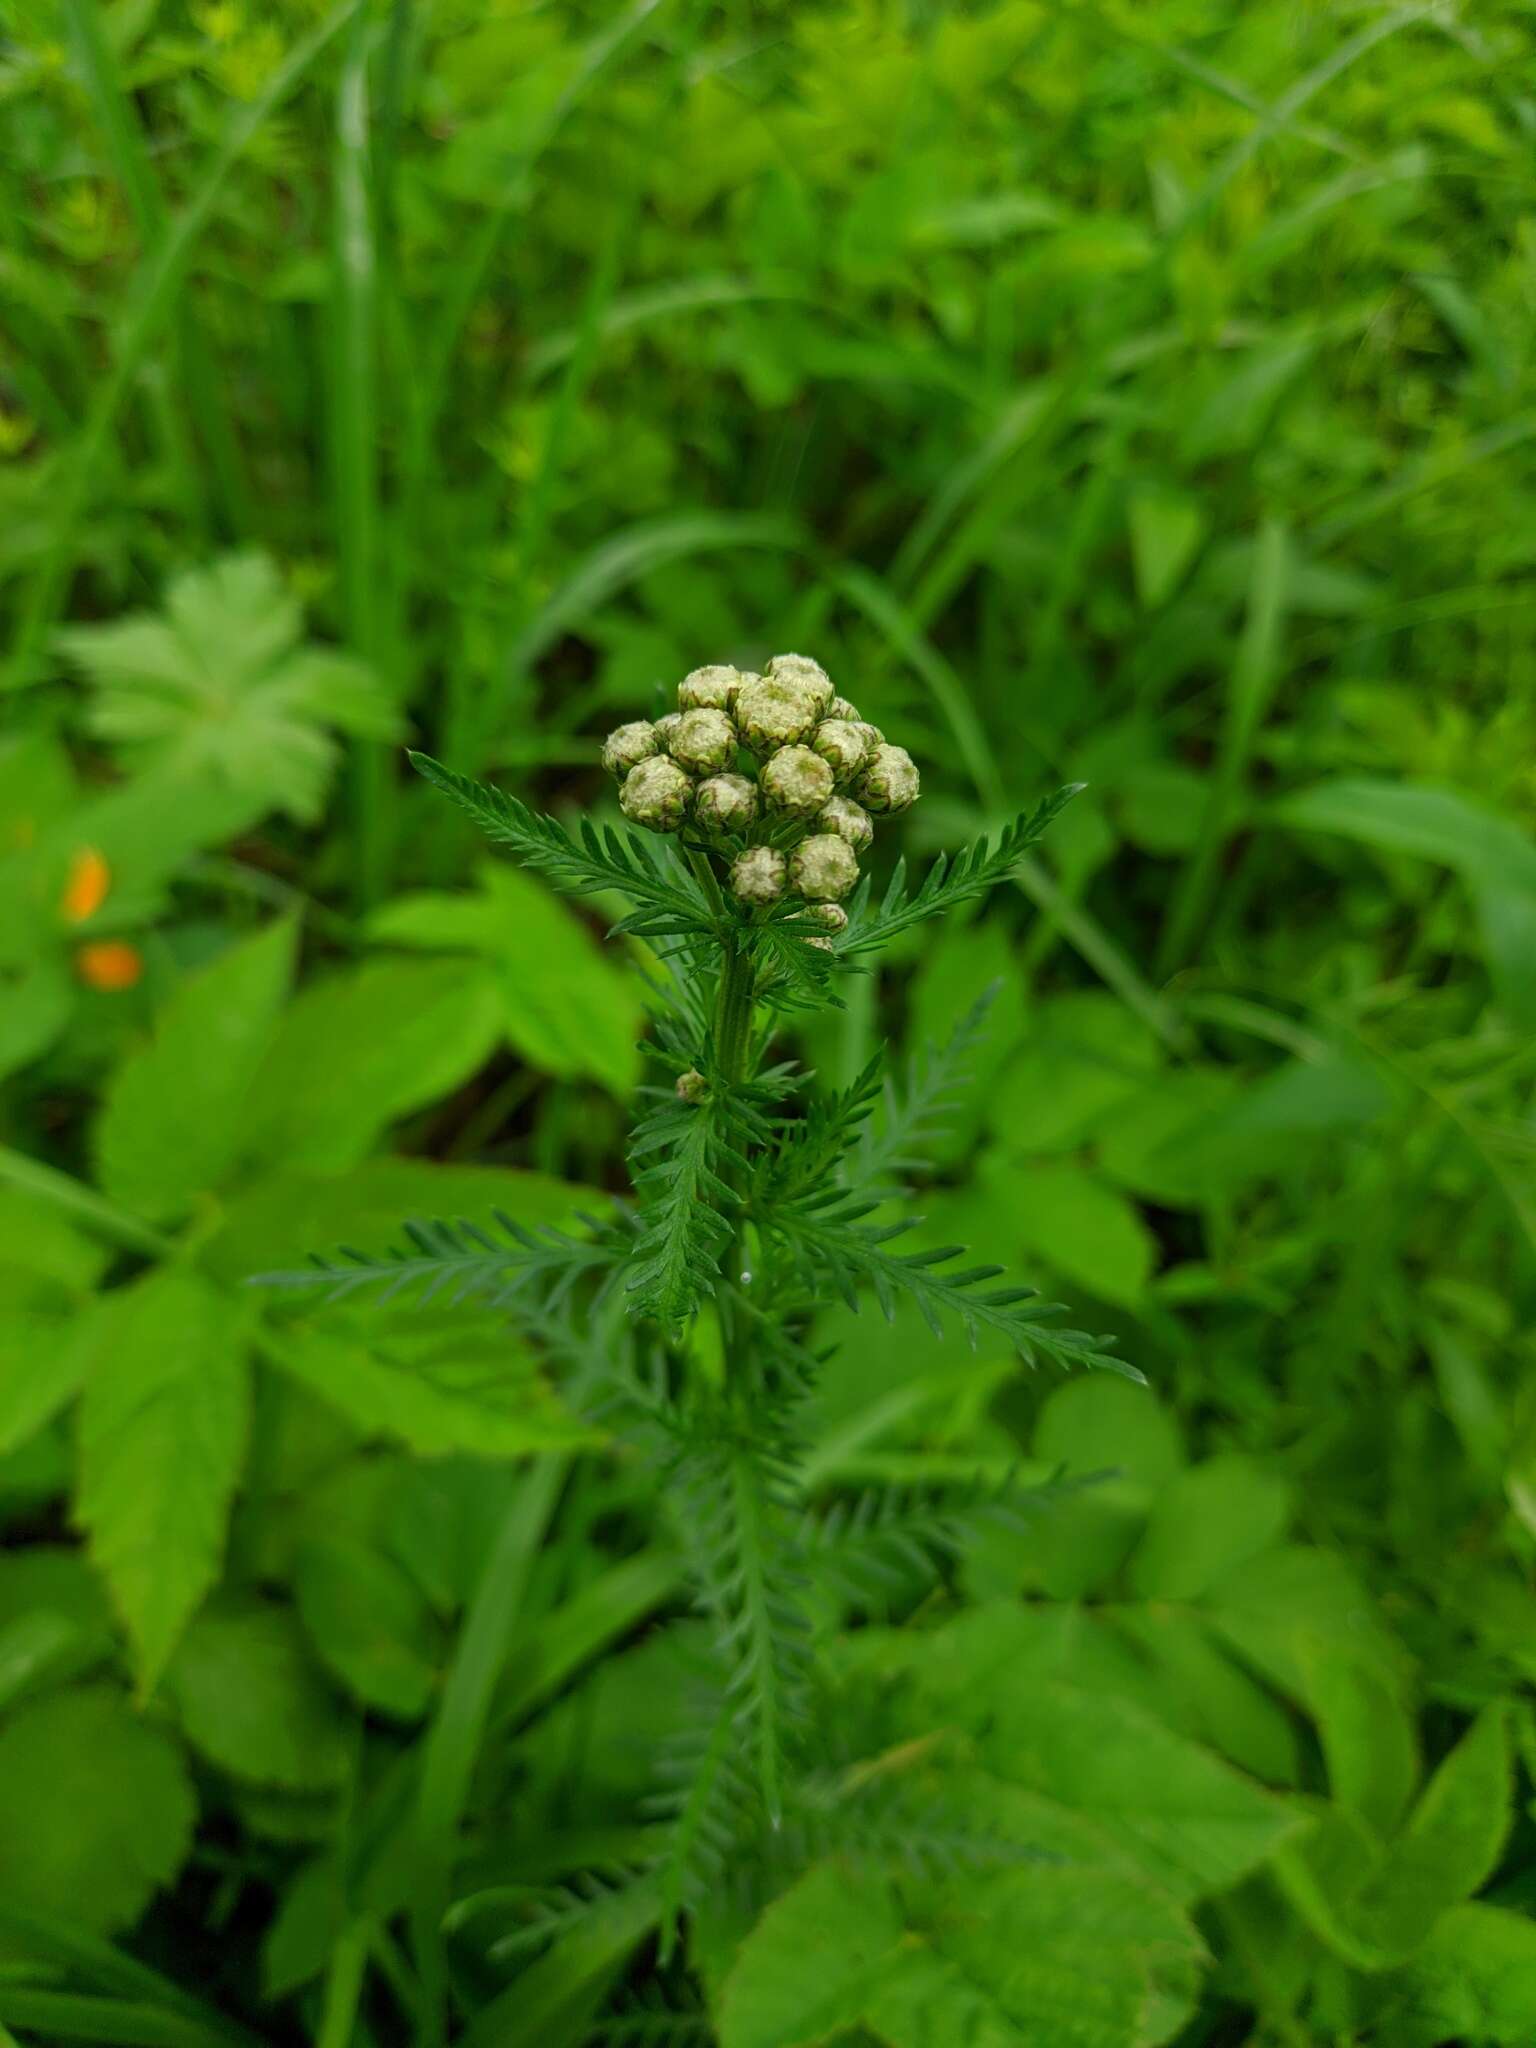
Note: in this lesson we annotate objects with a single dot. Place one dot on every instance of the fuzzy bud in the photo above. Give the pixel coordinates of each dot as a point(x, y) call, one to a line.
point(757, 876)
point(704, 742)
point(726, 803)
point(873, 736)
point(824, 867)
point(709, 689)
point(665, 728)
point(849, 821)
point(822, 945)
point(890, 780)
point(656, 794)
point(770, 713)
point(796, 781)
point(842, 746)
point(830, 916)
point(842, 708)
point(628, 745)
point(692, 1086)
point(801, 673)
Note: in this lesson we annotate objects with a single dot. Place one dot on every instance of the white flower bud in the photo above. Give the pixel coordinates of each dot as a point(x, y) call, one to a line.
point(848, 820)
point(890, 780)
point(842, 746)
point(802, 673)
point(824, 867)
point(704, 742)
point(796, 781)
point(709, 689)
point(665, 727)
point(628, 745)
point(726, 803)
point(757, 876)
point(773, 714)
point(692, 1086)
point(656, 794)
point(822, 945)
point(872, 733)
point(831, 916)
point(841, 708)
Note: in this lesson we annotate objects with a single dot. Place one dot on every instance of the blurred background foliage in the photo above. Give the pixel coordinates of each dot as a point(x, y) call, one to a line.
point(1135, 394)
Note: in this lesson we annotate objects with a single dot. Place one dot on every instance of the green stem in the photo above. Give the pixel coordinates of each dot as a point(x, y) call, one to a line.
point(733, 1015)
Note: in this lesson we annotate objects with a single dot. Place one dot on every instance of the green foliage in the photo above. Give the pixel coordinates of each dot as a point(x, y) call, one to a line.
point(1136, 394)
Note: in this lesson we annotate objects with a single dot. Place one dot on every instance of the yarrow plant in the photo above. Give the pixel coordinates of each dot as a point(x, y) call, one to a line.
point(685, 1320)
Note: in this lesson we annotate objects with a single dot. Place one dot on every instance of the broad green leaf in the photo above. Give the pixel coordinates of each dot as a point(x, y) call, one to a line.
point(1086, 1428)
point(43, 1359)
point(1207, 1523)
point(222, 692)
point(436, 1393)
point(96, 1808)
point(172, 1122)
point(1084, 1058)
point(1085, 1229)
point(363, 1047)
point(1369, 1740)
point(1237, 410)
point(1059, 1958)
point(251, 1697)
point(1473, 1980)
point(1167, 528)
point(369, 1625)
point(162, 1436)
point(36, 999)
point(567, 1006)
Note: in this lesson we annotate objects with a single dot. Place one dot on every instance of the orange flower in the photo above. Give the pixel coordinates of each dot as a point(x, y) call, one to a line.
point(87, 886)
point(109, 964)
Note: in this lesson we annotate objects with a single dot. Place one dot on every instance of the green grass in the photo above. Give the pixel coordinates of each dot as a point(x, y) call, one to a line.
point(1140, 396)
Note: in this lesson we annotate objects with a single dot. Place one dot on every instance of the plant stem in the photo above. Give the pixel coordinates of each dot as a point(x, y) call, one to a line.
point(733, 1014)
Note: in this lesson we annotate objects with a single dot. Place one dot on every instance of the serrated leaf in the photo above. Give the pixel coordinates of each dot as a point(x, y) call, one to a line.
point(163, 1426)
point(251, 1697)
point(1473, 1980)
point(173, 1117)
point(96, 1808)
point(436, 1394)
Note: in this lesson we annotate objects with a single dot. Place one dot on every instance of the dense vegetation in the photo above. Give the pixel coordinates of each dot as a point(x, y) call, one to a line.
point(1139, 395)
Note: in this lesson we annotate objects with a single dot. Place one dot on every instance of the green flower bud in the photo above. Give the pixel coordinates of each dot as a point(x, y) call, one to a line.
point(796, 781)
point(890, 780)
point(831, 916)
point(628, 746)
point(842, 746)
point(726, 803)
point(822, 945)
point(841, 708)
point(848, 820)
point(656, 794)
point(665, 728)
point(757, 876)
point(802, 673)
point(709, 689)
point(872, 733)
point(692, 1086)
point(824, 867)
point(773, 714)
point(704, 742)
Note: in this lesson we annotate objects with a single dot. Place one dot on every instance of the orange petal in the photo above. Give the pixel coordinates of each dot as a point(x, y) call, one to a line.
point(86, 890)
point(109, 964)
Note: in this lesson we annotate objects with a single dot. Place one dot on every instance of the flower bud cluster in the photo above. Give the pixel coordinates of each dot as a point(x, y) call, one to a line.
point(777, 760)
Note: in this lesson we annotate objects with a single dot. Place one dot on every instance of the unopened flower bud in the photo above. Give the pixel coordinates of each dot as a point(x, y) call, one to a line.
point(824, 867)
point(757, 876)
point(770, 713)
point(665, 727)
point(831, 916)
point(796, 781)
point(842, 708)
point(656, 794)
point(726, 803)
point(842, 745)
point(704, 742)
point(800, 672)
point(628, 746)
point(848, 820)
point(709, 689)
point(872, 734)
point(822, 945)
point(890, 780)
point(692, 1086)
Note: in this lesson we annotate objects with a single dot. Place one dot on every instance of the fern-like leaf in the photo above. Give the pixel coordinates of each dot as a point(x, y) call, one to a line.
point(914, 1116)
point(826, 1236)
point(462, 1262)
point(809, 1150)
point(668, 903)
point(676, 1158)
point(949, 882)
